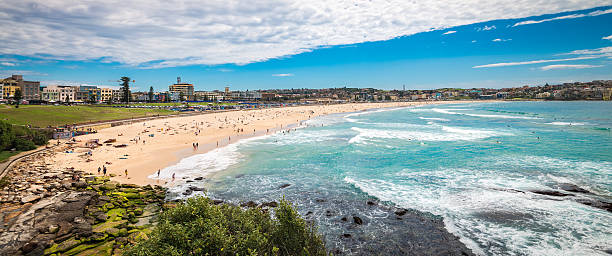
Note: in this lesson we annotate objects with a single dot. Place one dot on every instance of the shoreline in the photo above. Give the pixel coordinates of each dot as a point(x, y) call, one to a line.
point(152, 145)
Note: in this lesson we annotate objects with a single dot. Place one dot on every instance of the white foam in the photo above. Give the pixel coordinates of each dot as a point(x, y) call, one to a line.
point(446, 133)
point(449, 112)
point(435, 119)
point(465, 199)
point(566, 123)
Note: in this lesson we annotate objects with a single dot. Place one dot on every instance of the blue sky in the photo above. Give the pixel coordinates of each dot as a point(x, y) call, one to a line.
point(432, 53)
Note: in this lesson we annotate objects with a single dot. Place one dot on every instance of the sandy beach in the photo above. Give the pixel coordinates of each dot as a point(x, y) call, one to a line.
point(143, 148)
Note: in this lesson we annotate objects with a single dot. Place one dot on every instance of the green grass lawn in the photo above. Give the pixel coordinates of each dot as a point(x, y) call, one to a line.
point(4, 155)
point(177, 104)
point(45, 115)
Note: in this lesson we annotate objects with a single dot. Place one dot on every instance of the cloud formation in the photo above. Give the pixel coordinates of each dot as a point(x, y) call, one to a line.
point(449, 32)
point(571, 16)
point(155, 34)
point(562, 66)
point(501, 40)
point(506, 64)
point(286, 74)
point(607, 37)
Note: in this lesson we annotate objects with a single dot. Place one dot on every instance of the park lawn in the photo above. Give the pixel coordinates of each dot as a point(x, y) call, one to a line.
point(4, 155)
point(161, 104)
point(47, 115)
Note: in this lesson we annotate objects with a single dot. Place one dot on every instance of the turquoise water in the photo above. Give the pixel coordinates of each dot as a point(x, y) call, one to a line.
point(473, 164)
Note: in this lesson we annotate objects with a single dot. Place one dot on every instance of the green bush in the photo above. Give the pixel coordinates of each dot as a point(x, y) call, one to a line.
point(23, 144)
point(198, 227)
point(19, 137)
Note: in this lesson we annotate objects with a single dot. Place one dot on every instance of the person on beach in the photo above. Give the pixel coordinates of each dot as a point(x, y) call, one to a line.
point(99, 170)
point(104, 170)
point(173, 176)
point(159, 170)
point(125, 172)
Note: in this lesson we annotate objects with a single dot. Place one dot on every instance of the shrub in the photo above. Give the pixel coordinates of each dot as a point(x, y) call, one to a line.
point(198, 227)
point(23, 144)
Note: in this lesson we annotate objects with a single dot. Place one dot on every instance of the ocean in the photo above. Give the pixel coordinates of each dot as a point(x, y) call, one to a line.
point(509, 178)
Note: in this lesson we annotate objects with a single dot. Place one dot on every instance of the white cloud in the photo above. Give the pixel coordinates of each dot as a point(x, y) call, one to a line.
point(485, 28)
point(607, 37)
point(450, 32)
point(8, 64)
point(5, 73)
point(560, 66)
point(501, 40)
point(505, 64)
point(286, 74)
point(571, 16)
point(599, 52)
point(173, 33)
point(474, 41)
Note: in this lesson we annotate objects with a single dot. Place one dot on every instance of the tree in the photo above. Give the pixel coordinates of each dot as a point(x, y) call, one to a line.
point(67, 100)
point(199, 227)
point(125, 88)
point(181, 96)
point(17, 97)
point(93, 98)
point(151, 94)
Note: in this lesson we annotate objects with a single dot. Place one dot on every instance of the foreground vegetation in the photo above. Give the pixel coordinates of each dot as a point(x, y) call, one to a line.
point(47, 115)
point(15, 138)
point(199, 227)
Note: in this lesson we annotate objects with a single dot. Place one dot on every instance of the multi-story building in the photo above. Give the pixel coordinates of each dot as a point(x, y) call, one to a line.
point(106, 94)
point(1, 94)
point(209, 96)
point(182, 88)
point(8, 91)
point(117, 95)
point(246, 95)
point(88, 93)
point(51, 93)
point(30, 90)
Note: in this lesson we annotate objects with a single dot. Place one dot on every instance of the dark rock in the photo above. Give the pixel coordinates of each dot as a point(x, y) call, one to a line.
point(401, 212)
point(346, 235)
point(319, 200)
point(284, 186)
point(357, 220)
point(549, 193)
point(249, 204)
point(269, 204)
point(101, 217)
point(309, 213)
point(371, 203)
point(194, 188)
point(573, 188)
point(187, 192)
point(29, 247)
point(79, 184)
point(344, 219)
point(329, 213)
point(239, 176)
point(199, 178)
point(188, 181)
point(597, 204)
point(217, 201)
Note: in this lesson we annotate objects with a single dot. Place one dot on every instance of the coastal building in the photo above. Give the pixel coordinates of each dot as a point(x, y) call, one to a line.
point(1, 94)
point(8, 91)
point(209, 96)
point(117, 95)
point(30, 90)
point(51, 93)
point(106, 94)
point(246, 95)
point(182, 88)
